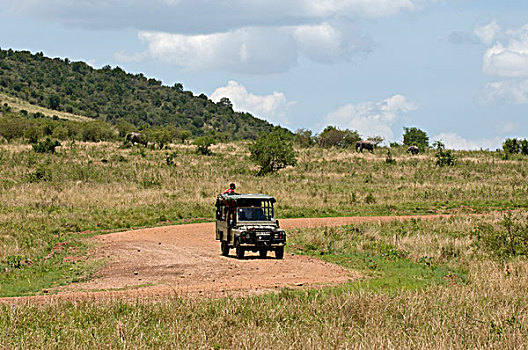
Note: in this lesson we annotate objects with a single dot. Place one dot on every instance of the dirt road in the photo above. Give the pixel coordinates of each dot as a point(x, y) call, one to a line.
point(185, 259)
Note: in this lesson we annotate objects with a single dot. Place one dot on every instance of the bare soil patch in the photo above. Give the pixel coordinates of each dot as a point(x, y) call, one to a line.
point(186, 260)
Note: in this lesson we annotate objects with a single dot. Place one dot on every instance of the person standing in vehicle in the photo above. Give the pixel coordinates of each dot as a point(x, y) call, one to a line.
point(231, 189)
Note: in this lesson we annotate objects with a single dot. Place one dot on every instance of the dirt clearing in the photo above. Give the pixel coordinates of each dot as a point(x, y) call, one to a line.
point(186, 260)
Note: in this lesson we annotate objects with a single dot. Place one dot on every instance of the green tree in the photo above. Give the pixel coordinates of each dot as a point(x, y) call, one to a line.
point(443, 157)
point(12, 127)
point(524, 147)
point(33, 133)
point(376, 140)
point(511, 146)
point(203, 144)
point(273, 151)
point(350, 137)
point(54, 102)
point(124, 127)
point(46, 146)
point(304, 138)
point(415, 137)
point(183, 135)
point(225, 102)
point(331, 137)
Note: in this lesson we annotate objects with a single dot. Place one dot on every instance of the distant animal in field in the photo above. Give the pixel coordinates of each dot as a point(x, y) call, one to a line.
point(136, 137)
point(365, 144)
point(413, 150)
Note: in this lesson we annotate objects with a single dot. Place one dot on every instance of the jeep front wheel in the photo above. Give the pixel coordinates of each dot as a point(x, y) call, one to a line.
point(225, 248)
point(239, 250)
point(279, 253)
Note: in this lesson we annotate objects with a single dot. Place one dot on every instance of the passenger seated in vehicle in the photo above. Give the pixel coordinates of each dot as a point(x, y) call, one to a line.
point(241, 214)
point(259, 214)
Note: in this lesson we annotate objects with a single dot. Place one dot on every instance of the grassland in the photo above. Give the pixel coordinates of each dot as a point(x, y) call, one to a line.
point(18, 105)
point(429, 283)
point(52, 202)
point(446, 293)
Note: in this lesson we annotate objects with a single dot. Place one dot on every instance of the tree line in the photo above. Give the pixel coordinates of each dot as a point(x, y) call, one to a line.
point(332, 136)
point(34, 127)
point(112, 95)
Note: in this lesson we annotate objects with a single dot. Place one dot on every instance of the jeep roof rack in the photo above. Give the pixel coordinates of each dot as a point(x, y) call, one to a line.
point(245, 196)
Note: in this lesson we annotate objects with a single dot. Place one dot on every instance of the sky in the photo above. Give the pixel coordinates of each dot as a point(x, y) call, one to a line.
point(457, 69)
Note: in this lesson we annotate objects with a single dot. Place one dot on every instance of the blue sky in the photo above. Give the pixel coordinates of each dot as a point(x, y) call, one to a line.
point(457, 69)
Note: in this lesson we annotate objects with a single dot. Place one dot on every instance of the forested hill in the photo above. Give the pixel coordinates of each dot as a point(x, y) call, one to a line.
point(112, 95)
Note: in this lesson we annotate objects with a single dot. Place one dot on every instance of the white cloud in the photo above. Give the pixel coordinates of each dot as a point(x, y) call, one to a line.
point(507, 91)
point(488, 32)
point(371, 119)
point(328, 43)
point(246, 50)
point(455, 141)
point(507, 58)
point(253, 50)
point(201, 16)
point(272, 107)
point(248, 36)
point(510, 59)
point(368, 8)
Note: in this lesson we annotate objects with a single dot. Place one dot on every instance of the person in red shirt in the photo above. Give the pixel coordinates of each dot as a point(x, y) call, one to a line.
point(231, 189)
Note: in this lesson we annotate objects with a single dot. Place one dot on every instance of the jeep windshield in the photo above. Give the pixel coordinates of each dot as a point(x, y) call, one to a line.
point(255, 214)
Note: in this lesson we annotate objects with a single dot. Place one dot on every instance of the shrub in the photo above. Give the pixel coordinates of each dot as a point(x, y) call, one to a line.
point(273, 151)
point(514, 146)
point(39, 175)
point(333, 137)
point(511, 146)
point(170, 159)
point(12, 128)
point(370, 199)
point(203, 145)
point(304, 138)
point(389, 159)
point(46, 146)
point(415, 137)
point(524, 147)
point(444, 157)
point(506, 240)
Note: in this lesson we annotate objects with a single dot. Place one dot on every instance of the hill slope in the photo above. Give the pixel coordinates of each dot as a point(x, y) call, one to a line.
point(111, 94)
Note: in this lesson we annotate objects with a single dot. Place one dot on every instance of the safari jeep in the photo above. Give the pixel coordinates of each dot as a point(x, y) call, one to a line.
point(246, 222)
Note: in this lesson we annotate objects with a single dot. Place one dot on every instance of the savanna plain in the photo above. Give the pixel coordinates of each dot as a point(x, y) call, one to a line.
point(458, 281)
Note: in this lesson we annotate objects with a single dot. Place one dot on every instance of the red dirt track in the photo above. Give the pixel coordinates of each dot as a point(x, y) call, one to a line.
point(185, 260)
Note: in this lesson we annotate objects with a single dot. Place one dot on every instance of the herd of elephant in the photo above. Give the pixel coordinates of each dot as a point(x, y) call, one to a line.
point(138, 138)
point(369, 146)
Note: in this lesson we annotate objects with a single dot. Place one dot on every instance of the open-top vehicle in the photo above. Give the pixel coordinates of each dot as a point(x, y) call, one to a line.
point(247, 222)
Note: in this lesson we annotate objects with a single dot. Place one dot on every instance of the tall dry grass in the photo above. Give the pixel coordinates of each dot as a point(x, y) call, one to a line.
point(487, 310)
point(104, 186)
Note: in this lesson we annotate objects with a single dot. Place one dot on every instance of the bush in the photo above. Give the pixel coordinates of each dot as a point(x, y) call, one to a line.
point(46, 146)
point(415, 137)
point(506, 240)
point(12, 128)
point(41, 174)
point(203, 143)
point(273, 151)
point(333, 137)
point(514, 146)
point(304, 138)
point(444, 157)
point(524, 147)
point(389, 159)
point(511, 146)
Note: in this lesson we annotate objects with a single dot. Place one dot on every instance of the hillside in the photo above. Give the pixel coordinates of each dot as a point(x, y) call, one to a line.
point(17, 105)
point(112, 95)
